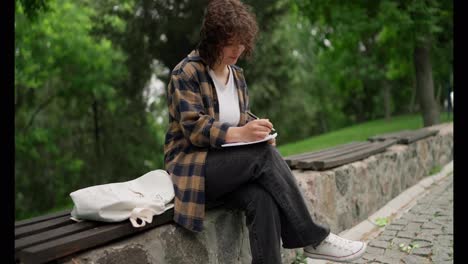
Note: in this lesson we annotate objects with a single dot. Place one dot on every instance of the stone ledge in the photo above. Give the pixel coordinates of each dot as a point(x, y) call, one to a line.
point(340, 198)
point(344, 196)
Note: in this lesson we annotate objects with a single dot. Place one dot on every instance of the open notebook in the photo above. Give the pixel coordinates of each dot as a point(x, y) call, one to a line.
point(271, 136)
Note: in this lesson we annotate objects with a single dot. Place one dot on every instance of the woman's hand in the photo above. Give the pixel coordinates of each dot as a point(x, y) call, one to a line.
point(256, 129)
point(252, 131)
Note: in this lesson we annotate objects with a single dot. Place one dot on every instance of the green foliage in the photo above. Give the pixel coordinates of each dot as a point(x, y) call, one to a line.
point(408, 248)
point(436, 169)
point(381, 221)
point(371, 45)
point(32, 8)
point(73, 125)
point(300, 258)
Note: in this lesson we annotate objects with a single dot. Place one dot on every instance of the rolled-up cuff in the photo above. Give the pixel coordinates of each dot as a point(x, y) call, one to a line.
point(218, 134)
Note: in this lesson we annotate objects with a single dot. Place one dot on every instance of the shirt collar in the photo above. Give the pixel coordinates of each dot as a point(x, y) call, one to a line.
point(195, 56)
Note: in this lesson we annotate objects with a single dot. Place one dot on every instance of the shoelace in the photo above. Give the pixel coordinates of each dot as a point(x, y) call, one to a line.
point(337, 241)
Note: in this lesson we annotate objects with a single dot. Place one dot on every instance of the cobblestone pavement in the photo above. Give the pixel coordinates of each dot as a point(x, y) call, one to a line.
point(427, 228)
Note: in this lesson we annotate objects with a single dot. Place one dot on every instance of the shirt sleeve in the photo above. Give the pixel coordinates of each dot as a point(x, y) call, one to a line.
point(186, 106)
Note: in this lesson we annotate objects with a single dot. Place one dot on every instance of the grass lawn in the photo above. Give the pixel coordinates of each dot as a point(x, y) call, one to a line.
point(360, 132)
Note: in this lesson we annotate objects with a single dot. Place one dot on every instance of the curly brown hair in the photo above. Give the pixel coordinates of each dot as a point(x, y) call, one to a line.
point(225, 21)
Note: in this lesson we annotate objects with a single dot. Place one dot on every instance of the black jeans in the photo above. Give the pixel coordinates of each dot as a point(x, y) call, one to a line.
point(256, 179)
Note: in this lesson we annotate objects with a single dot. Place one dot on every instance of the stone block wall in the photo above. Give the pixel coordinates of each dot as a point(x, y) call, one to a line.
point(340, 198)
point(345, 196)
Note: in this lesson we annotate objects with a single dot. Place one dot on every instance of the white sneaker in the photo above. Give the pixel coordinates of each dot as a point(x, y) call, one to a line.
point(337, 249)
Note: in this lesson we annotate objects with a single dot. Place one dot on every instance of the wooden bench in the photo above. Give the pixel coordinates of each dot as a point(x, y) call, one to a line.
point(337, 156)
point(50, 237)
point(405, 136)
point(343, 154)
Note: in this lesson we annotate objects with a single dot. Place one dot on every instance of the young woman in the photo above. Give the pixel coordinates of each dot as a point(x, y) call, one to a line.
point(208, 104)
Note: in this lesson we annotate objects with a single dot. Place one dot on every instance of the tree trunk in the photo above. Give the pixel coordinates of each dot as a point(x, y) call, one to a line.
point(425, 84)
point(438, 93)
point(412, 104)
point(323, 122)
point(387, 97)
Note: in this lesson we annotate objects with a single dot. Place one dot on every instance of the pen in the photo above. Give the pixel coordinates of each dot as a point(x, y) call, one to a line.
point(254, 116)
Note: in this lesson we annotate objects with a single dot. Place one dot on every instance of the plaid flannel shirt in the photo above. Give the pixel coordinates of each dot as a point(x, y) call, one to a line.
point(194, 128)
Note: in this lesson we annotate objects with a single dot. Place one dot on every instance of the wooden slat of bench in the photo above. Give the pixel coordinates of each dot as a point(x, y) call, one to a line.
point(306, 154)
point(87, 239)
point(292, 161)
point(336, 153)
point(49, 236)
point(42, 226)
point(54, 234)
point(392, 135)
point(417, 135)
point(358, 155)
point(41, 218)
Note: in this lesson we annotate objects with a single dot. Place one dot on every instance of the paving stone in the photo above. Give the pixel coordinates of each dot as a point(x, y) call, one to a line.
point(422, 251)
point(409, 216)
point(387, 232)
point(425, 237)
point(445, 237)
point(419, 219)
point(448, 230)
point(397, 241)
point(406, 234)
point(422, 243)
point(437, 232)
point(412, 259)
point(439, 222)
point(445, 219)
point(445, 243)
point(431, 212)
point(439, 213)
point(395, 227)
point(441, 258)
point(385, 238)
point(394, 253)
point(379, 244)
point(413, 227)
point(400, 222)
point(429, 225)
point(432, 232)
point(385, 259)
point(441, 253)
point(360, 261)
point(416, 209)
point(374, 250)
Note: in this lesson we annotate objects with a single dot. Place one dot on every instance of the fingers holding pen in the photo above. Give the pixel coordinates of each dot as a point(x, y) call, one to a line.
point(263, 123)
point(257, 129)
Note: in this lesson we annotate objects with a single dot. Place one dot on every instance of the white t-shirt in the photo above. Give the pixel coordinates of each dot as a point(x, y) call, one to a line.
point(228, 99)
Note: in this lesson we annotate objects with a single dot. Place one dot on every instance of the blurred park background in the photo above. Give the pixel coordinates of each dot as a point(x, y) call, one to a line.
point(90, 79)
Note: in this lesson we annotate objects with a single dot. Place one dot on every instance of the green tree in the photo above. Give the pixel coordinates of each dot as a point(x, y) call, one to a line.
point(397, 38)
point(60, 71)
point(32, 8)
